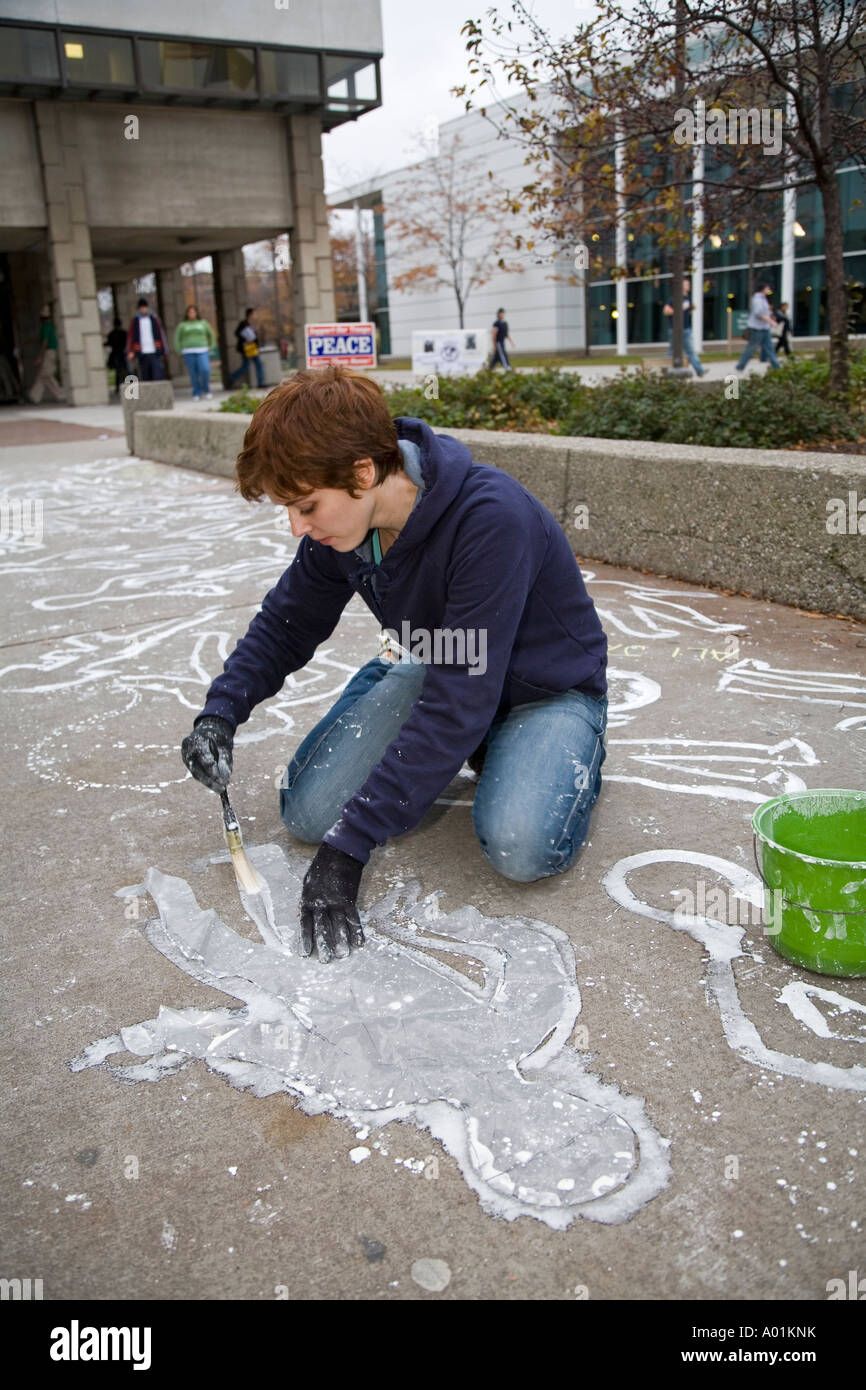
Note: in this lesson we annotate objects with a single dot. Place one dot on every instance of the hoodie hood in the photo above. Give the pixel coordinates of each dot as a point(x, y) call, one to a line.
point(444, 463)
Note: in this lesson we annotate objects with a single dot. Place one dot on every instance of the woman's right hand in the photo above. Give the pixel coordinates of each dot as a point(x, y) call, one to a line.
point(207, 752)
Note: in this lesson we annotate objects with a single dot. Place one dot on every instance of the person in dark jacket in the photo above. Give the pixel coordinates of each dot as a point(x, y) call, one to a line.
point(500, 335)
point(784, 323)
point(146, 341)
point(247, 343)
point(116, 344)
point(494, 653)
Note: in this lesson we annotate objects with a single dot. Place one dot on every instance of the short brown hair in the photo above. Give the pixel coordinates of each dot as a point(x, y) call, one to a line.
point(308, 433)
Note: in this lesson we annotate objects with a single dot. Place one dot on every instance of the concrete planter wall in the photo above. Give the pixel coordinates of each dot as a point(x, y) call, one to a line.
point(753, 520)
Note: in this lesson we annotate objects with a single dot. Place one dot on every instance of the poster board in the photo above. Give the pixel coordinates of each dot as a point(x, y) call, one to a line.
point(450, 351)
point(349, 344)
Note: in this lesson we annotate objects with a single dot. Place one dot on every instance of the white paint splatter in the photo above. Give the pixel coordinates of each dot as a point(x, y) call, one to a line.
point(703, 769)
point(722, 941)
point(432, 1275)
point(798, 995)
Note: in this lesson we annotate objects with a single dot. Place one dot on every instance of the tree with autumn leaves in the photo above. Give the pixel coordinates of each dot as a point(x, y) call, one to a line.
point(601, 116)
point(449, 225)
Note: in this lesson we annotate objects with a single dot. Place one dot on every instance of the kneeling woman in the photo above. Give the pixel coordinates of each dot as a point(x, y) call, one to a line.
point(497, 653)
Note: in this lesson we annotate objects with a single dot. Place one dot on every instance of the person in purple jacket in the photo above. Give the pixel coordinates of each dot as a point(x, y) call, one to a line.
point(494, 653)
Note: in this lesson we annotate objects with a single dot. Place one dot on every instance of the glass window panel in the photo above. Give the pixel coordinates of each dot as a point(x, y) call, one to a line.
point(350, 79)
point(602, 301)
point(365, 83)
point(810, 300)
point(98, 59)
point(198, 66)
point(27, 54)
point(855, 274)
point(290, 74)
point(810, 217)
point(852, 186)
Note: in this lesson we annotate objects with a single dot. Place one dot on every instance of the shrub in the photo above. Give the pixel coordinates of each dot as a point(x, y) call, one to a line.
point(780, 410)
point(243, 402)
point(775, 411)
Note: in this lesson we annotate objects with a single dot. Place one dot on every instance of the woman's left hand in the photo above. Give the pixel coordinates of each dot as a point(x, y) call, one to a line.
point(329, 915)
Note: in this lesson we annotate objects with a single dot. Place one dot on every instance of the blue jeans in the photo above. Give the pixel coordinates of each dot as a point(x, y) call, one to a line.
point(150, 366)
point(689, 350)
point(540, 780)
point(761, 340)
point(244, 371)
point(198, 366)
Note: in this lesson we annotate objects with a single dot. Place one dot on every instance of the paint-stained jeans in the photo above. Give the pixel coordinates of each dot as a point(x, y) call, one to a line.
point(540, 780)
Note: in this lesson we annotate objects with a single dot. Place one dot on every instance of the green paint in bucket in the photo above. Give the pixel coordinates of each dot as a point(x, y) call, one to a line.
point(813, 863)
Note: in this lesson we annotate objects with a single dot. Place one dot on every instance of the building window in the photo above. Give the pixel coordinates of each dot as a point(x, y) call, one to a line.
point(98, 59)
point(200, 67)
point(350, 81)
point(290, 74)
point(28, 55)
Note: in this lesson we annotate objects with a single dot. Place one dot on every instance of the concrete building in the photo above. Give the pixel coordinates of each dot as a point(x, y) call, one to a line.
point(544, 312)
point(547, 314)
point(134, 139)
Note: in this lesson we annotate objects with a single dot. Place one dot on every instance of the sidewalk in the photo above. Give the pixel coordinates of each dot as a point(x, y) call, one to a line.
point(742, 1075)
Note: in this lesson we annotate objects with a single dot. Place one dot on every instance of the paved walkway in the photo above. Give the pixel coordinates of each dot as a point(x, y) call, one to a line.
point(741, 1076)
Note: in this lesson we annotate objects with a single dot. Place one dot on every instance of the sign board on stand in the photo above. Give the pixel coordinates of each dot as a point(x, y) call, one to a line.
point(451, 351)
point(349, 344)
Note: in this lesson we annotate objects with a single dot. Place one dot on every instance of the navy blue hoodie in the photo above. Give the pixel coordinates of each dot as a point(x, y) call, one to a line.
point(478, 551)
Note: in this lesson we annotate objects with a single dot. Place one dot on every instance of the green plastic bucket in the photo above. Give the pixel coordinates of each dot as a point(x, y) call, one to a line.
point(813, 864)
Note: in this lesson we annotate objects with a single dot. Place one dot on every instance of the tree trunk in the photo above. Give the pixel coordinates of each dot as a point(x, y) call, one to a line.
point(837, 297)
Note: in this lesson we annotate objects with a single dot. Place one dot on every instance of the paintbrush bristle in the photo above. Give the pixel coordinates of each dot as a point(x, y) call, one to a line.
point(245, 874)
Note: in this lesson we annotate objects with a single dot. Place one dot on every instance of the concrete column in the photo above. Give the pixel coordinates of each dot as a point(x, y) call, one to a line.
point(309, 237)
point(172, 307)
point(697, 295)
point(73, 284)
point(124, 296)
point(230, 294)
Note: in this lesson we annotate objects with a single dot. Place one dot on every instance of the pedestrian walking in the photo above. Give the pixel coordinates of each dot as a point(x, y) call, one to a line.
point(146, 340)
point(688, 341)
point(500, 336)
point(193, 339)
point(247, 341)
point(45, 367)
point(116, 344)
point(759, 324)
point(784, 323)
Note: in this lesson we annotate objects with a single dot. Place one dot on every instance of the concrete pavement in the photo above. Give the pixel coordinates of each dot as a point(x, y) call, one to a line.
point(114, 622)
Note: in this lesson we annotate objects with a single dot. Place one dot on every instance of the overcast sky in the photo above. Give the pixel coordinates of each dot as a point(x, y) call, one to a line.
point(425, 55)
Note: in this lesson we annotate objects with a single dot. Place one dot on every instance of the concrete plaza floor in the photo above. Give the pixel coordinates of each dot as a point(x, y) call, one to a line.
point(114, 622)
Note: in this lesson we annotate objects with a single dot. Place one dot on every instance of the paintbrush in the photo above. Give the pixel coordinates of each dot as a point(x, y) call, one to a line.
point(248, 879)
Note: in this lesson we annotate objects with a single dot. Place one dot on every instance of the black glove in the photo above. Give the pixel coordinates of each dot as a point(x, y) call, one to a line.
point(207, 751)
point(329, 916)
